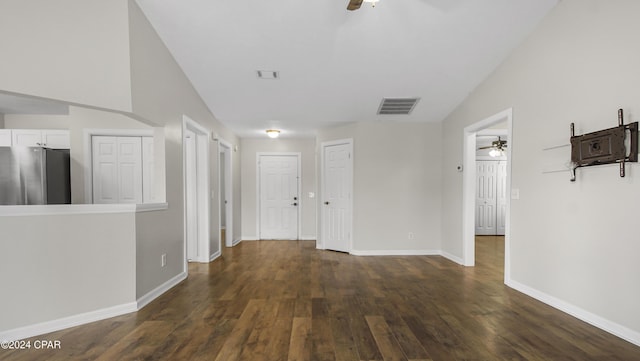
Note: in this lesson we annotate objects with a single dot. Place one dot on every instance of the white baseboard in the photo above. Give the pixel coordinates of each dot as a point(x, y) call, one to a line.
point(308, 238)
point(249, 238)
point(235, 242)
point(453, 258)
point(609, 326)
point(66, 322)
point(158, 291)
point(215, 255)
point(394, 252)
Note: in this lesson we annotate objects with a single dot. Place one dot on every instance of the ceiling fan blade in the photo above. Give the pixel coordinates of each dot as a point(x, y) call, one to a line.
point(354, 4)
point(487, 147)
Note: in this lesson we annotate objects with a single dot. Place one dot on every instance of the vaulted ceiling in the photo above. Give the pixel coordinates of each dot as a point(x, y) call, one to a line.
point(334, 66)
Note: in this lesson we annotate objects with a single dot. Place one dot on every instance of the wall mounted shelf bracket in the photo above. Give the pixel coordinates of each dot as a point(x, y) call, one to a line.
point(605, 146)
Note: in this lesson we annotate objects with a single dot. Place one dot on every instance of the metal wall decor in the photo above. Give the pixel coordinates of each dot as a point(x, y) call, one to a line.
point(604, 146)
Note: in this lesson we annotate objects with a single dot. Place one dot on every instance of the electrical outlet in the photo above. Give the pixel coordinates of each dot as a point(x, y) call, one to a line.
point(410, 235)
point(163, 260)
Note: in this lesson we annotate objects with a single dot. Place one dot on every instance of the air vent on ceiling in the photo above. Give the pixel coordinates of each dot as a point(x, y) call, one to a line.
point(392, 106)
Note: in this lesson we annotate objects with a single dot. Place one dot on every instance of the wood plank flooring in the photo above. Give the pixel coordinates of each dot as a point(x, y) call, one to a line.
point(285, 300)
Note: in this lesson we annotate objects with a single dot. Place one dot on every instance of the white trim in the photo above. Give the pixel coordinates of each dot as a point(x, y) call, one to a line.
point(150, 207)
point(235, 242)
point(613, 328)
point(250, 238)
point(228, 188)
point(453, 258)
point(298, 156)
point(308, 238)
point(320, 242)
point(468, 187)
point(61, 209)
point(396, 252)
point(67, 322)
point(202, 189)
point(160, 290)
point(88, 158)
point(215, 255)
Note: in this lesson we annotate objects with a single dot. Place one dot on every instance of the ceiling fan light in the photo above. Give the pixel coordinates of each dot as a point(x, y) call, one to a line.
point(273, 133)
point(496, 152)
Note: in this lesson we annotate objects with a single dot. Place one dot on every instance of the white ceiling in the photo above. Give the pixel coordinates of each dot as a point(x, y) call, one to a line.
point(334, 65)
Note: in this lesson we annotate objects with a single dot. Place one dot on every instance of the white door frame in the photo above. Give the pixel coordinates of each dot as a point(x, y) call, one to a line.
point(298, 156)
point(224, 148)
point(469, 188)
point(202, 188)
point(349, 142)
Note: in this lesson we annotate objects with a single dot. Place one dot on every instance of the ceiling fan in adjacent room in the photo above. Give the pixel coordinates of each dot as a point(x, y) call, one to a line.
point(355, 4)
point(497, 147)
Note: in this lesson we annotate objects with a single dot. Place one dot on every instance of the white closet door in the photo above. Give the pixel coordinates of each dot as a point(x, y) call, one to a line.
point(117, 169)
point(130, 169)
point(105, 169)
point(486, 200)
point(148, 166)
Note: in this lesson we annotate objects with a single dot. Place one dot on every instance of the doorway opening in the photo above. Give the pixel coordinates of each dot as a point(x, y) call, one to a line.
point(195, 150)
point(225, 192)
point(470, 134)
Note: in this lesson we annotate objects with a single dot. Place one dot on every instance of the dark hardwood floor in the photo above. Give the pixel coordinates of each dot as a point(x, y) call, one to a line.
point(285, 300)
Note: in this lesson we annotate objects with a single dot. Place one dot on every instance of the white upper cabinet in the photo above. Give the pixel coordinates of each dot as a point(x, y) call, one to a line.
point(56, 139)
point(50, 138)
point(5, 137)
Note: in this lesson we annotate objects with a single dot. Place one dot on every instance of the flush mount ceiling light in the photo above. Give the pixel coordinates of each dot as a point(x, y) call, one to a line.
point(273, 133)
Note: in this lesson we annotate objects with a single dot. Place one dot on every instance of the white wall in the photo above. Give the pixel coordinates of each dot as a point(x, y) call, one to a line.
point(71, 50)
point(250, 148)
point(162, 94)
point(76, 122)
point(397, 182)
point(572, 244)
point(55, 267)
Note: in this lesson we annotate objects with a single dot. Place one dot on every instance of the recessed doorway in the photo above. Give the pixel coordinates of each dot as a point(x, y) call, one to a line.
point(470, 185)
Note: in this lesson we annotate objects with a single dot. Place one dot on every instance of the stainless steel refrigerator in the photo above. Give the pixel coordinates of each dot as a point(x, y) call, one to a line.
point(34, 175)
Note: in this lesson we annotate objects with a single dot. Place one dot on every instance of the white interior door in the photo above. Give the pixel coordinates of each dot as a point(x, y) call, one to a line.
point(117, 169)
point(486, 200)
point(130, 169)
point(191, 202)
point(105, 169)
point(279, 198)
point(337, 170)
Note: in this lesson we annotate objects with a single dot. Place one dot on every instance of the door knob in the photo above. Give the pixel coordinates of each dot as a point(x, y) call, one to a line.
point(294, 204)
point(327, 203)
